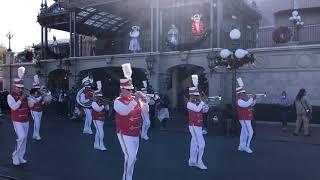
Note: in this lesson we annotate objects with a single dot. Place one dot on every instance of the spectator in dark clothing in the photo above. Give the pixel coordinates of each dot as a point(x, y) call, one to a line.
point(285, 105)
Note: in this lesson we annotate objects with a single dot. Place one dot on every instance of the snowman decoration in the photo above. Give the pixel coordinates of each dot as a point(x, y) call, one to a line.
point(173, 34)
point(197, 26)
point(134, 43)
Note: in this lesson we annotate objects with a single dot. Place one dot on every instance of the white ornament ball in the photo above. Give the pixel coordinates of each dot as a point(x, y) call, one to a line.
point(224, 53)
point(240, 53)
point(235, 34)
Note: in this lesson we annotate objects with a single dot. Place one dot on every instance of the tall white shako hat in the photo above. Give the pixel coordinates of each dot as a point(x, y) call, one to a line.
point(99, 91)
point(18, 82)
point(144, 89)
point(86, 81)
point(36, 82)
point(194, 90)
point(127, 82)
point(240, 89)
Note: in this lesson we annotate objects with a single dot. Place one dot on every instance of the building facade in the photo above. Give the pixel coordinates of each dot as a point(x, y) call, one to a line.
point(99, 44)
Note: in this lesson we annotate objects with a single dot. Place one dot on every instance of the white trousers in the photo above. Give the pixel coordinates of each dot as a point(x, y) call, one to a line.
point(88, 121)
point(98, 140)
point(145, 124)
point(21, 130)
point(246, 133)
point(36, 123)
point(197, 145)
point(129, 146)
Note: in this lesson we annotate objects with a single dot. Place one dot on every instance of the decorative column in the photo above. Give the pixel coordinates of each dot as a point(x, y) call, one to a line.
point(7, 72)
point(9, 58)
point(219, 21)
point(214, 83)
point(157, 25)
point(175, 87)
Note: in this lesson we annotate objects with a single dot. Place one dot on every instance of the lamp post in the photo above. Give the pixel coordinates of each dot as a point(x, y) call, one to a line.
point(297, 24)
point(9, 36)
point(233, 59)
point(150, 60)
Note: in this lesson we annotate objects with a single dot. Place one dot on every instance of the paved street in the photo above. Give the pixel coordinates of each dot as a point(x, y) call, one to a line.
point(66, 154)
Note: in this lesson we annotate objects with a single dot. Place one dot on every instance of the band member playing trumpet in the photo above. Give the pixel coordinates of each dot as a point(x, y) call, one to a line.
point(36, 103)
point(98, 116)
point(245, 114)
point(145, 115)
point(128, 122)
point(85, 97)
point(195, 108)
point(17, 102)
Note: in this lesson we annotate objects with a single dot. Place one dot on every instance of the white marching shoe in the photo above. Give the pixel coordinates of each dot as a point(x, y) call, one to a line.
point(240, 148)
point(22, 161)
point(248, 150)
point(15, 161)
point(192, 164)
point(145, 137)
point(96, 146)
point(204, 131)
point(103, 148)
point(202, 166)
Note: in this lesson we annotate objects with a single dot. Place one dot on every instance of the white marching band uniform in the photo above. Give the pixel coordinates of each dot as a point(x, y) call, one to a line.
point(245, 114)
point(20, 120)
point(85, 97)
point(128, 124)
point(36, 105)
point(145, 117)
point(36, 108)
point(197, 145)
point(98, 115)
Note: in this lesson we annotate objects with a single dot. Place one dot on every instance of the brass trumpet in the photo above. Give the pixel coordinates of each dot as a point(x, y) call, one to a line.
point(258, 95)
point(140, 95)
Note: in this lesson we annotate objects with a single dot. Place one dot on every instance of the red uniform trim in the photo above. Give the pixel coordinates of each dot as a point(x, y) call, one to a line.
point(130, 124)
point(244, 113)
point(195, 118)
point(21, 114)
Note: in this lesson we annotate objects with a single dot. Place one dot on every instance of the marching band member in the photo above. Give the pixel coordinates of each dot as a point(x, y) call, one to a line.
point(98, 116)
point(145, 114)
point(17, 102)
point(245, 114)
point(36, 104)
point(86, 97)
point(195, 107)
point(128, 122)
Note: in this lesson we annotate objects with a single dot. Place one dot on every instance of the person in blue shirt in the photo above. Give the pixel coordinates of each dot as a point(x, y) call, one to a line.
point(285, 105)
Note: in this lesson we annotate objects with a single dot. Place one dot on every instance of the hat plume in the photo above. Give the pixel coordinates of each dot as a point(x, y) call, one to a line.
point(36, 79)
point(195, 80)
point(21, 72)
point(144, 84)
point(99, 85)
point(240, 82)
point(126, 68)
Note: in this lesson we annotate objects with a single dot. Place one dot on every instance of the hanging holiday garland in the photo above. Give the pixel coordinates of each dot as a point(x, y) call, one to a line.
point(282, 35)
point(231, 62)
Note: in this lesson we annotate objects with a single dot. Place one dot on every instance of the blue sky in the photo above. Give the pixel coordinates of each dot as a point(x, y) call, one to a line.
point(20, 17)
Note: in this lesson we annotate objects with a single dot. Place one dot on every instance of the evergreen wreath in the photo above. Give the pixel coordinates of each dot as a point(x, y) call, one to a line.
point(282, 35)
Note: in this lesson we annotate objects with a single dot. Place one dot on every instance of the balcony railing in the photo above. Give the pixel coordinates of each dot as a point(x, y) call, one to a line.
point(309, 34)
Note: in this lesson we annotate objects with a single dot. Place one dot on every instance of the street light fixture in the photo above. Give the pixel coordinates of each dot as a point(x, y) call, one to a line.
point(9, 36)
point(150, 60)
point(233, 59)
